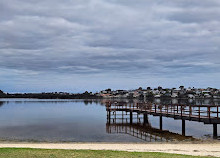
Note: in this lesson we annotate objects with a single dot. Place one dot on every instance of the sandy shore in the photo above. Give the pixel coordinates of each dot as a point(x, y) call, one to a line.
point(188, 149)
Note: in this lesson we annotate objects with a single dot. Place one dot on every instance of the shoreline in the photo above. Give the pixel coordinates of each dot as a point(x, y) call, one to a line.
point(2, 141)
point(111, 98)
point(197, 149)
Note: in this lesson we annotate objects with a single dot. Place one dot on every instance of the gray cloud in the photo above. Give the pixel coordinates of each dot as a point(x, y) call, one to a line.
point(144, 38)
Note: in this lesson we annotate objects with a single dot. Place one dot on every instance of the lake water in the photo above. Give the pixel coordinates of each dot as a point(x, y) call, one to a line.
point(82, 121)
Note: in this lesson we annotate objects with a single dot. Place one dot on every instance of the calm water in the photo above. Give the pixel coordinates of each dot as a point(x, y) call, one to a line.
point(80, 121)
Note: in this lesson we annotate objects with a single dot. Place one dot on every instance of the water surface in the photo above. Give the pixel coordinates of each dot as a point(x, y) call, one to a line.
point(82, 121)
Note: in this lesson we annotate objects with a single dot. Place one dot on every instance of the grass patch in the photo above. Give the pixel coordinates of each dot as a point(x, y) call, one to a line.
point(53, 153)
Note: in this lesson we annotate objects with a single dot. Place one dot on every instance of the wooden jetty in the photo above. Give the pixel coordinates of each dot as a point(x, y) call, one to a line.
point(208, 114)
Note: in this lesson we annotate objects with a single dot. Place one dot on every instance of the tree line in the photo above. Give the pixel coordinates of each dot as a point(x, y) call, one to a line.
point(50, 95)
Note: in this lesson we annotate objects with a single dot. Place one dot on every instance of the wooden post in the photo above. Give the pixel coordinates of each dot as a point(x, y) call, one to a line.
point(122, 117)
point(183, 128)
point(181, 110)
point(109, 116)
point(209, 112)
point(145, 119)
point(161, 122)
point(215, 134)
point(190, 111)
point(115, 116)
point(131, 118)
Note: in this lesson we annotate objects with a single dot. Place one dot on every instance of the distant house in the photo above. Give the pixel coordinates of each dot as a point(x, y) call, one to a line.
point(167, 94)
point(206, 94)
point(106, 95)
point(157, 95)
point(175, 93)
point(191, 96)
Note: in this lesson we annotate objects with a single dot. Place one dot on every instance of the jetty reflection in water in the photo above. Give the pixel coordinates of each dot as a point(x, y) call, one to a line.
point(120, 117)
point(140, 127)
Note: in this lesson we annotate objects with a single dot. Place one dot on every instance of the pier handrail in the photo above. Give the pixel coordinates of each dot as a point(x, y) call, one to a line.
point(183, 110)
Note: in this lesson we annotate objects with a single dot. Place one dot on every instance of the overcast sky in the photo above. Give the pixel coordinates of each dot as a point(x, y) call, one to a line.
point(78, 45)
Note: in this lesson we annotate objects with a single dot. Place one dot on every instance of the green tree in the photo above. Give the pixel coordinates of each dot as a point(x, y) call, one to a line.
point(140, 88)
point(148, 88)
point(1, 92)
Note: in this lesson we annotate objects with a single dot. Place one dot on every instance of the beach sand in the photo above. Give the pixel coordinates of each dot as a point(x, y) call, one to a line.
point(187, 149)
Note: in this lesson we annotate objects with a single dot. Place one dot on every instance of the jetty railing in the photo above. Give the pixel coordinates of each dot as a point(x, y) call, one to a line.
point(175, 110)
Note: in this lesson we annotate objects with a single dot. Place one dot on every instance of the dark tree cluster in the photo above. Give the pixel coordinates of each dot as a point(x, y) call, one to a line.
point(52, 95)
point(2, 94)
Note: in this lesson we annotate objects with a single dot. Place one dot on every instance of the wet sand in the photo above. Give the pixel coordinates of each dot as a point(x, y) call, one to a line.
point(187, 149)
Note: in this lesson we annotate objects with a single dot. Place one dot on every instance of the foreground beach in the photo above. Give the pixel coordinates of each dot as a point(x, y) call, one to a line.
point(186, 149)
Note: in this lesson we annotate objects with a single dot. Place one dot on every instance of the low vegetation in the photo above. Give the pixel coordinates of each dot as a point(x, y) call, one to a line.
point(52, 153)
point(51, 95)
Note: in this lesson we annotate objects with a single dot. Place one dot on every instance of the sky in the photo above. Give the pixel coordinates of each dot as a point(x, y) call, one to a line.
point(78, 45)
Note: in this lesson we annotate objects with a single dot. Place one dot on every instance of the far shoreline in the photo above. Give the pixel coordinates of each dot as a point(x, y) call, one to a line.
point(148, 99)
